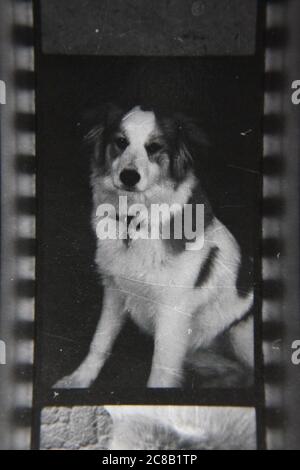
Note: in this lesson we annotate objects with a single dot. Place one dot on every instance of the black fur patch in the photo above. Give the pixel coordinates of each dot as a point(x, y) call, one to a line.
point(245, 277)
point(177, 245)
point(198, 196)
point(185, 140)
point(101, 124)
point(207, 267)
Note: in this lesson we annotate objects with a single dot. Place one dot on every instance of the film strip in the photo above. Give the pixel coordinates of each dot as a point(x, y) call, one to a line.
point(18, 227)
point(272, 211)
point(18, 222)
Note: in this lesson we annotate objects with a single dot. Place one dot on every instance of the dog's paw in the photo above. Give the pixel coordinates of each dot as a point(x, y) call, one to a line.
point(164, 382)
point(75, 380)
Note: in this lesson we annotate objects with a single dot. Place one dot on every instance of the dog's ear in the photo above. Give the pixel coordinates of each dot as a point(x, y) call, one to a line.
point(191, 142)
point(96, 124)
point(96, 120)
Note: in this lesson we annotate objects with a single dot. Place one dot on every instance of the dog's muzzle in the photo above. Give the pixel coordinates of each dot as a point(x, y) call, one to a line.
point(129, 177)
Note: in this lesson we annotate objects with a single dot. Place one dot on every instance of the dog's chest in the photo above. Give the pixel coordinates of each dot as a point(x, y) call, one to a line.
point(148, 275)
point(137, 259)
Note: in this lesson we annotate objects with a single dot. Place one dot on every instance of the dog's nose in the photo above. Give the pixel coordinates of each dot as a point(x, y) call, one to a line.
point(130, 177)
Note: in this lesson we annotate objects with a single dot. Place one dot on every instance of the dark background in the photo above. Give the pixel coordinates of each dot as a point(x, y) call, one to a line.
point(224, 93)
point(149, 27)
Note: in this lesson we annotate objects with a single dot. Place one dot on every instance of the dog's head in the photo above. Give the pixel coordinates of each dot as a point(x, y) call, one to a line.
point(141, 149)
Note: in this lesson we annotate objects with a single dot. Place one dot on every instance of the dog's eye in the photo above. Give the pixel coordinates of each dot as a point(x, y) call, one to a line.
point(153, 148)
point(121, 143)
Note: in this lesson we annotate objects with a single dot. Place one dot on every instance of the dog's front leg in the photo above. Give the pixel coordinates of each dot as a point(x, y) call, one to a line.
point(107, 330)
point(170, 348)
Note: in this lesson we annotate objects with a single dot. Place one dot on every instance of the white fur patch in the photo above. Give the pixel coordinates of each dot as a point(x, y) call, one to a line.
point(138, 125)
point(182, 427)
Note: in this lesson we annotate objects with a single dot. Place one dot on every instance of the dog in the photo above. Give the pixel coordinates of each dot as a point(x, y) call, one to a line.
point(195, 302)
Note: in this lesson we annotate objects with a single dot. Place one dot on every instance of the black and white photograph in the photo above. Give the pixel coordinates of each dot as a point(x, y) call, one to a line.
point(147, 246)
point(150, 188)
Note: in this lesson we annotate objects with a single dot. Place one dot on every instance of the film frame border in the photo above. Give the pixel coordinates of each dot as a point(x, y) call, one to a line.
point(22, 203)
